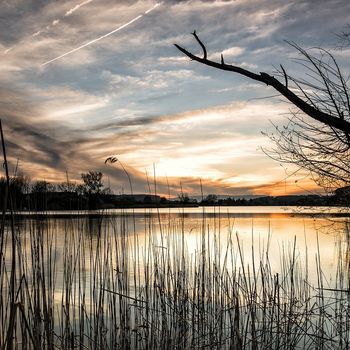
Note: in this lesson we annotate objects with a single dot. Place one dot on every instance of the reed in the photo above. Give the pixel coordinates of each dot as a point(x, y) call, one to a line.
point(96, 283)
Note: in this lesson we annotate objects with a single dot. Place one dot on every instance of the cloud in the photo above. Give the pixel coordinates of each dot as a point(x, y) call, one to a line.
point(47, 28)
point(136, 96)
point(151, 80)
point(77, 7)
point(27, 140)
point(91, 42)
point(199, 143)
point(199, 151)
point(228, 53)
point(46, 150)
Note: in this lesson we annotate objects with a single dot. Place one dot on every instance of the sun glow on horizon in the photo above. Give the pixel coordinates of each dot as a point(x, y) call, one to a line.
point(112, 83)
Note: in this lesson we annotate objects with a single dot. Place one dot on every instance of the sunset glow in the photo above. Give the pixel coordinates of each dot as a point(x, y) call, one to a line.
point(69, 99)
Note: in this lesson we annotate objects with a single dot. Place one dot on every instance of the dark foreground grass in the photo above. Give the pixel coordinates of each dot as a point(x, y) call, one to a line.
point(99, 285)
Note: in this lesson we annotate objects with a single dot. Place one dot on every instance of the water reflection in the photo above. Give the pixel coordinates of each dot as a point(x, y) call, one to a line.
point(93, 274)
point(258, 231)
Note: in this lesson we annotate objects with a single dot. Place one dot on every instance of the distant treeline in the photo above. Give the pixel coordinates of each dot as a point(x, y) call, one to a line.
point(90, 193)
point(25, 194)
point(292, 200)
point(339, 198)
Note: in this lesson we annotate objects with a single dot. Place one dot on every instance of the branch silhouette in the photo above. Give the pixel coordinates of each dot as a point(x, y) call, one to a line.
point(336, 122)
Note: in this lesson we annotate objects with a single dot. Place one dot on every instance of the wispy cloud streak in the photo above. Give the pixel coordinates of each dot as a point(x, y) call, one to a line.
point(102, 36)
point(76, 7)
point(54, 23)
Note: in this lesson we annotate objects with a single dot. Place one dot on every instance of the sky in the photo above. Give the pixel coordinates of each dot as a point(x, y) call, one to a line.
point(84, 80)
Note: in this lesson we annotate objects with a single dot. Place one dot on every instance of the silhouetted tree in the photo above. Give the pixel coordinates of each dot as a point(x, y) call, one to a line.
point(39, 194)
point(92, 182)
point(92, 187)
point(320, 143)
point(67, 187)
point(19, 187)
point(42, 186)
point(184, 198)
point(210, 199)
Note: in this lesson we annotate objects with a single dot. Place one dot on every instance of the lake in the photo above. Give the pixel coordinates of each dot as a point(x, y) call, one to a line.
point(258, 230)
point(114, 264)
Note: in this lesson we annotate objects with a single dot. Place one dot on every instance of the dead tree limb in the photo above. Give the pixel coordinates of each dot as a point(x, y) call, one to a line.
point(330, 120)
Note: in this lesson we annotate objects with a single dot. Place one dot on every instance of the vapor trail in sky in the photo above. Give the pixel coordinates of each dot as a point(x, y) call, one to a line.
point(76, 7)
point(103, 36)
point(49, 26)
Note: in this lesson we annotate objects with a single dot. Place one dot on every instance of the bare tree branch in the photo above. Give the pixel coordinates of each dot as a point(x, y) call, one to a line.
point(285, 76)
point(320, 144)
point(325, 118)
point(201, 44)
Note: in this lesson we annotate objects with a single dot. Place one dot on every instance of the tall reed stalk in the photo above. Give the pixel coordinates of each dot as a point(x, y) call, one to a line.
point(96, 283)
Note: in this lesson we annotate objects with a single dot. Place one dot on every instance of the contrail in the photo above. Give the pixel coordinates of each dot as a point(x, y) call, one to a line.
point(76, 7)
point(50, 25)
point(103, 36)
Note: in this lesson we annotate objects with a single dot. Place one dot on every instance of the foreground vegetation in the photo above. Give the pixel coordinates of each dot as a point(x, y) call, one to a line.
point(97, 284)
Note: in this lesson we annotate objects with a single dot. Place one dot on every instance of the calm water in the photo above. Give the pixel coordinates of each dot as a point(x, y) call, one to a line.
point(96, 271)
point(278, 231)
